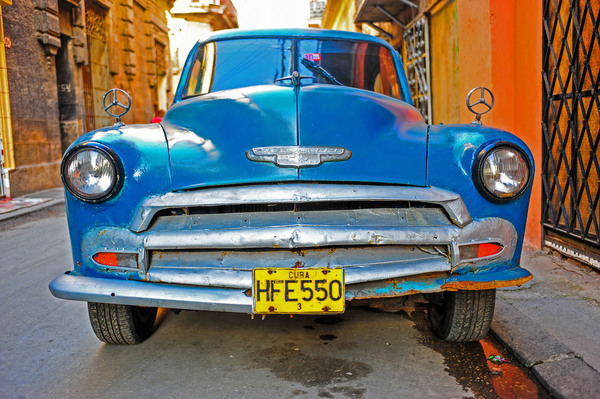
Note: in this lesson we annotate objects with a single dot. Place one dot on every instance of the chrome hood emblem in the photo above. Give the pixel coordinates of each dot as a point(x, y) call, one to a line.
point(296, 156)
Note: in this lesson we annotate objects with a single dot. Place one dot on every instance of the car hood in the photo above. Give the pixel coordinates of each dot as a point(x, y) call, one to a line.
point(209, 136)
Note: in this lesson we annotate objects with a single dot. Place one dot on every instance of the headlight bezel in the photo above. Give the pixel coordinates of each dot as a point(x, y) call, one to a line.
point(108, 153)
point(477, 172)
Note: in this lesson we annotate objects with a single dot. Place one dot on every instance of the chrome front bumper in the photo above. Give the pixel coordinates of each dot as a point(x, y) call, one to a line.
point(139, 293)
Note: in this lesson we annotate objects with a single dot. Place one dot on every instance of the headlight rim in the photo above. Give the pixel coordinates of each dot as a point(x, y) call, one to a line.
point(478, 171)
point(113, 159)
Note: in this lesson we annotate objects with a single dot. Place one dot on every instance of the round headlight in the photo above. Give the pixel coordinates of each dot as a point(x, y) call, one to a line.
point(502, 172)
point(90, 173)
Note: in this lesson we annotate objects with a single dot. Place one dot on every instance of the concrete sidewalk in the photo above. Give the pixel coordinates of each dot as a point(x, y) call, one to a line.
point(551, 324)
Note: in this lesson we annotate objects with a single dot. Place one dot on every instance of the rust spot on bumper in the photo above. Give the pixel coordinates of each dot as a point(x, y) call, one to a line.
point(484, 285)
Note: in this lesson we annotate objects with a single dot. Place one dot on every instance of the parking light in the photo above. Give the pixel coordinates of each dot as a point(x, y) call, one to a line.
point(116, 259)
point(481, 250)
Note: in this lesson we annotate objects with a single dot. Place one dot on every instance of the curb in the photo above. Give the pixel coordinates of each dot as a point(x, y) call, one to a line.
point(560, 370)
point(57, 198)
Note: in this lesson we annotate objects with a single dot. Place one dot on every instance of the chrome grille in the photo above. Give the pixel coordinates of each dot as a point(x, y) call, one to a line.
point(299, 198)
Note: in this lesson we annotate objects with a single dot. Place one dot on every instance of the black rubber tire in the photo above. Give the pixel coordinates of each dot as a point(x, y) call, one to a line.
point(121, 324)
point(462, 316)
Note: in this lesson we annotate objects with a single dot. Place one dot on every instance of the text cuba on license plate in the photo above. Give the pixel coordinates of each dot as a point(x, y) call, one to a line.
point(289, 291)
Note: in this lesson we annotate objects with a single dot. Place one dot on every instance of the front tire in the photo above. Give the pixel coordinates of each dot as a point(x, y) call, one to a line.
point(462, 316)
point(121, 324)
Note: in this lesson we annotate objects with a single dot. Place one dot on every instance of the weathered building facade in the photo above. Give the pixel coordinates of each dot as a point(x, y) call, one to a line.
point(541, 59)
point(61, 56)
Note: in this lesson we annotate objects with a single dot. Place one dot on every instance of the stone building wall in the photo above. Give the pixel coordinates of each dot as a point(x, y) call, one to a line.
point(33, 99)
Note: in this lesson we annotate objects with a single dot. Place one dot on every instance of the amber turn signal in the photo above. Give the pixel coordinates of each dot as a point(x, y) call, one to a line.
point(116, 259)
point(482, 250)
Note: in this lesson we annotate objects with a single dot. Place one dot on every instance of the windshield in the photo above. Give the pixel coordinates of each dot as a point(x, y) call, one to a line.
point(232, 64)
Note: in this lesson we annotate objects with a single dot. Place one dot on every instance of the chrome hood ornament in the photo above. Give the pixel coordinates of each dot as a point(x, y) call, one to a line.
point(482, 105)
point(295, 156)
point(113, 101)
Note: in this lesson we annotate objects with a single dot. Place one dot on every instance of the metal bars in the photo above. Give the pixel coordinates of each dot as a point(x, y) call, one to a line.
point(416, 54)
point(571, 123)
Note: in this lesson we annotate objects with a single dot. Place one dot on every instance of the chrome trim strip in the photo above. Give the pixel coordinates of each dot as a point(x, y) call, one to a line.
point(312, 237)
point(300, 193)
point(296, 237)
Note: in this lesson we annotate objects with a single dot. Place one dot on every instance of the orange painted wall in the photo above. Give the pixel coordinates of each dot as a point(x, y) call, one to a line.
point(501, 17)
point(516, 44)
point(528, 101)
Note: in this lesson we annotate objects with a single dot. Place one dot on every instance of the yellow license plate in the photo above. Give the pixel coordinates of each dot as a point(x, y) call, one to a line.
point(293, 291)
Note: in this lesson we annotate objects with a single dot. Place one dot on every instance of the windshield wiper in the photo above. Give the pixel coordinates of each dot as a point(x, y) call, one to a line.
point(316, 68)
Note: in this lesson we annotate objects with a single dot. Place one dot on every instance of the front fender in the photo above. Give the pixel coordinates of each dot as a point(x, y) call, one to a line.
point(452, 150)
point(142, 150)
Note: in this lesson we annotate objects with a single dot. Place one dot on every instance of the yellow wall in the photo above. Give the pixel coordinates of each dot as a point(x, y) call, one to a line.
point(339, 15)
point(5, 121)
point(443, 37)
point(461, 57)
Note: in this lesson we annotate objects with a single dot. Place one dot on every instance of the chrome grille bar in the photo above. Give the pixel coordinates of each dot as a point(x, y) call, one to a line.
point(300, 193)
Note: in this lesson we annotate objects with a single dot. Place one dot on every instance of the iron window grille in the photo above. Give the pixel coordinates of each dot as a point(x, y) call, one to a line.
point(571, 127)
point(416, 56)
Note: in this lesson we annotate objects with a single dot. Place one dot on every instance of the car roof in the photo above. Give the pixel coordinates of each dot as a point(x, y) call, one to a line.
point(296, 32)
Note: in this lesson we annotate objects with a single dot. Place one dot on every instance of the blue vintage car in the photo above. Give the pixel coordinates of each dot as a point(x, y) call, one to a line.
point(292, 174)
